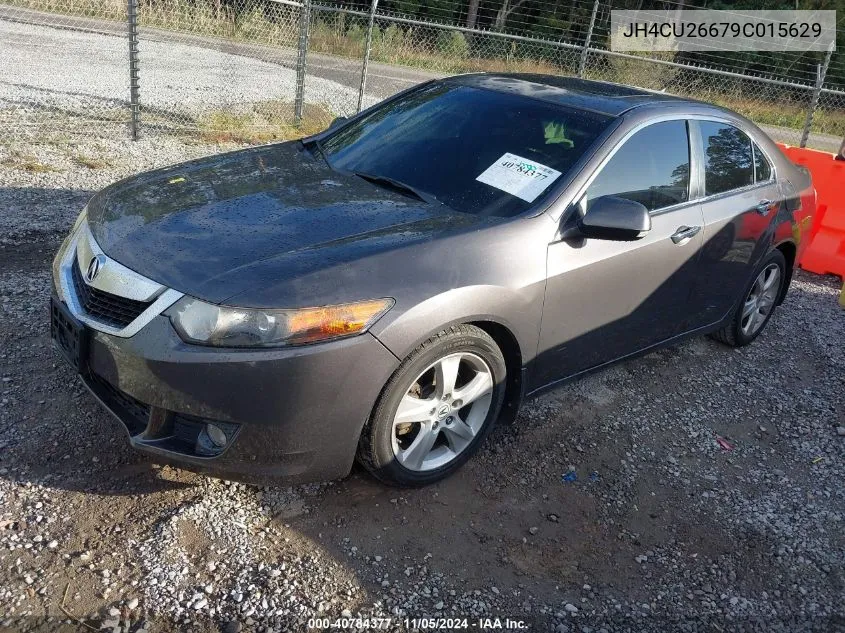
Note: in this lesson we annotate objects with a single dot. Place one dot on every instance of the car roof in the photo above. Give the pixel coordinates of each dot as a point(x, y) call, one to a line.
point(597, 96)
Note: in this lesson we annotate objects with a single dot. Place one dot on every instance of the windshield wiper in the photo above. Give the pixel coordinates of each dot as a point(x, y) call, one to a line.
point(395, 185)
point(313, 144)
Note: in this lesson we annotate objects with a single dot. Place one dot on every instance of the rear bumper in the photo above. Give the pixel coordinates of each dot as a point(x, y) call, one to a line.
point(293, 413)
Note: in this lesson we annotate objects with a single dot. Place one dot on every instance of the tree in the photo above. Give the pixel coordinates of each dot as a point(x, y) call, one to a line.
point(504, 13)
point(472, 13)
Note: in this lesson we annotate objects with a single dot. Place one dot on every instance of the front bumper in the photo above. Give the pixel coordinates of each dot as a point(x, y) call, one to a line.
point(294, 413)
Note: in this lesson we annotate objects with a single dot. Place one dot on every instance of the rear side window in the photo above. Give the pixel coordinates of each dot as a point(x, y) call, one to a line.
point(651, 168)
point(728, 159)
point(762, 168)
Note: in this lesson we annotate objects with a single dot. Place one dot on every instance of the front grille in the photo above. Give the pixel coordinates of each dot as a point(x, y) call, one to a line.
point(105, 307)
point(135, 414)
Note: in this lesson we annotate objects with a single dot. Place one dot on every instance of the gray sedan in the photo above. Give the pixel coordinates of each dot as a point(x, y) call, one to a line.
point(389, 289)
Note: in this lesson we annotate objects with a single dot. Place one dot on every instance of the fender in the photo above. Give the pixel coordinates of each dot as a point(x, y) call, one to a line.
point(519, 311)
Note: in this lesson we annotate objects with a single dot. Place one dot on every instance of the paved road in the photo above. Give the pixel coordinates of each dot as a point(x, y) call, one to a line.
point(383, 79)
point(788, 136)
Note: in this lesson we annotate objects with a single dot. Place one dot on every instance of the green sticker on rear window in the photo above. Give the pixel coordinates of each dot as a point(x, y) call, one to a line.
point(555, 134)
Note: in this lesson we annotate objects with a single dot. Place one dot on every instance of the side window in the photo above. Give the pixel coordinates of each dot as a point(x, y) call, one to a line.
point(728, 162)
point(651, 168)
point(762, 168)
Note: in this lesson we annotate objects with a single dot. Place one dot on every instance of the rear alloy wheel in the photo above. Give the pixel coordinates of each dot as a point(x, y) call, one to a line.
point(760, 301)
point(436, 409)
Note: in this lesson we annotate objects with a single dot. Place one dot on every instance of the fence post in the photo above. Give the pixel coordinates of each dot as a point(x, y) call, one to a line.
point(134, 92)
point(301, 55)
point(367, 48)
point(582, 64)
point(821, 71)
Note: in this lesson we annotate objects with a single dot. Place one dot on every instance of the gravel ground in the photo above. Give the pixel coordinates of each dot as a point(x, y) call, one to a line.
point(177, 79)
point(662, 530)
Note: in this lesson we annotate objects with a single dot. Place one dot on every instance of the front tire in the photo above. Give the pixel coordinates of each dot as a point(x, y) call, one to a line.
point(436, 409)
point(759, 301)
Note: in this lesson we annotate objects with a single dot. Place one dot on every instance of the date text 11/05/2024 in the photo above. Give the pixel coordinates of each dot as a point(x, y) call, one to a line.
point(424, 624)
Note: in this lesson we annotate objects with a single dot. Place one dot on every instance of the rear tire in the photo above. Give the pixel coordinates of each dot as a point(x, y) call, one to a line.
point(436, 409)
point(759, 301)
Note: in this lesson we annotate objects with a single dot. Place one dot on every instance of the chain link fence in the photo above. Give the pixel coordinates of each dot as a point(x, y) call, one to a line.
point(259, 70)
point(223, 71)
point(62, 74)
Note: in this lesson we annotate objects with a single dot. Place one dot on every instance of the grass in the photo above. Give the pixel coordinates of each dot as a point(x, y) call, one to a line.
point(26, 162)
point(92, 162)
point(261, 123)
point(442, 51)
point(446, 52)
point(788, 115)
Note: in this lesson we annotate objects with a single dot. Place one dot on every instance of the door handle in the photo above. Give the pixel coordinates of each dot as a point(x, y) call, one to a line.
point(685, 233)
point(763, 207)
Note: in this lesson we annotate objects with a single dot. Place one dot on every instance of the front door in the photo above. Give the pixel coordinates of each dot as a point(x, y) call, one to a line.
point(606, 299)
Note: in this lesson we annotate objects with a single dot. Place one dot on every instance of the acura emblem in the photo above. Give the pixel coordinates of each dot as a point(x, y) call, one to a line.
point(94, 268)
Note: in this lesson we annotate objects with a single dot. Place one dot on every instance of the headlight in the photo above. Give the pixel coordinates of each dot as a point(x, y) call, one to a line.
point(206, 324)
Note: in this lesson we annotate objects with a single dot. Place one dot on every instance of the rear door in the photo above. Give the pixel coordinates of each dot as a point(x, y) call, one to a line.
point(740, 200)
point(606, 299)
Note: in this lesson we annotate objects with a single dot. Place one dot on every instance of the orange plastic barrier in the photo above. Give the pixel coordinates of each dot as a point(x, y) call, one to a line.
point(826, 251)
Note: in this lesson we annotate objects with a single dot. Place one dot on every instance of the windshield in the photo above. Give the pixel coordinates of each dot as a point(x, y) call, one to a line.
point(475, 150)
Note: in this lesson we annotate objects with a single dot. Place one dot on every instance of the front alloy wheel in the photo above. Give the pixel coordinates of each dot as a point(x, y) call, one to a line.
point(442, 412)
point(436, 409)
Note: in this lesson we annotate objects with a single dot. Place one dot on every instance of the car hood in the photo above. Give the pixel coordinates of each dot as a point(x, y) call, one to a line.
point(232, 224)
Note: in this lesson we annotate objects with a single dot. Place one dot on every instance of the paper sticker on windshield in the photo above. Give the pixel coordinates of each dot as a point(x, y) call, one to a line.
point(519, 176)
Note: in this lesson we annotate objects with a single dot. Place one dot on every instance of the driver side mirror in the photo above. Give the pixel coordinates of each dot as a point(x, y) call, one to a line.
point(614, 218)
point(337, 121)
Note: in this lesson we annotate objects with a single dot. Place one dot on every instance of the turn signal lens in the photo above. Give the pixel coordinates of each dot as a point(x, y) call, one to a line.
point(315, 324)
point(207, 324)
